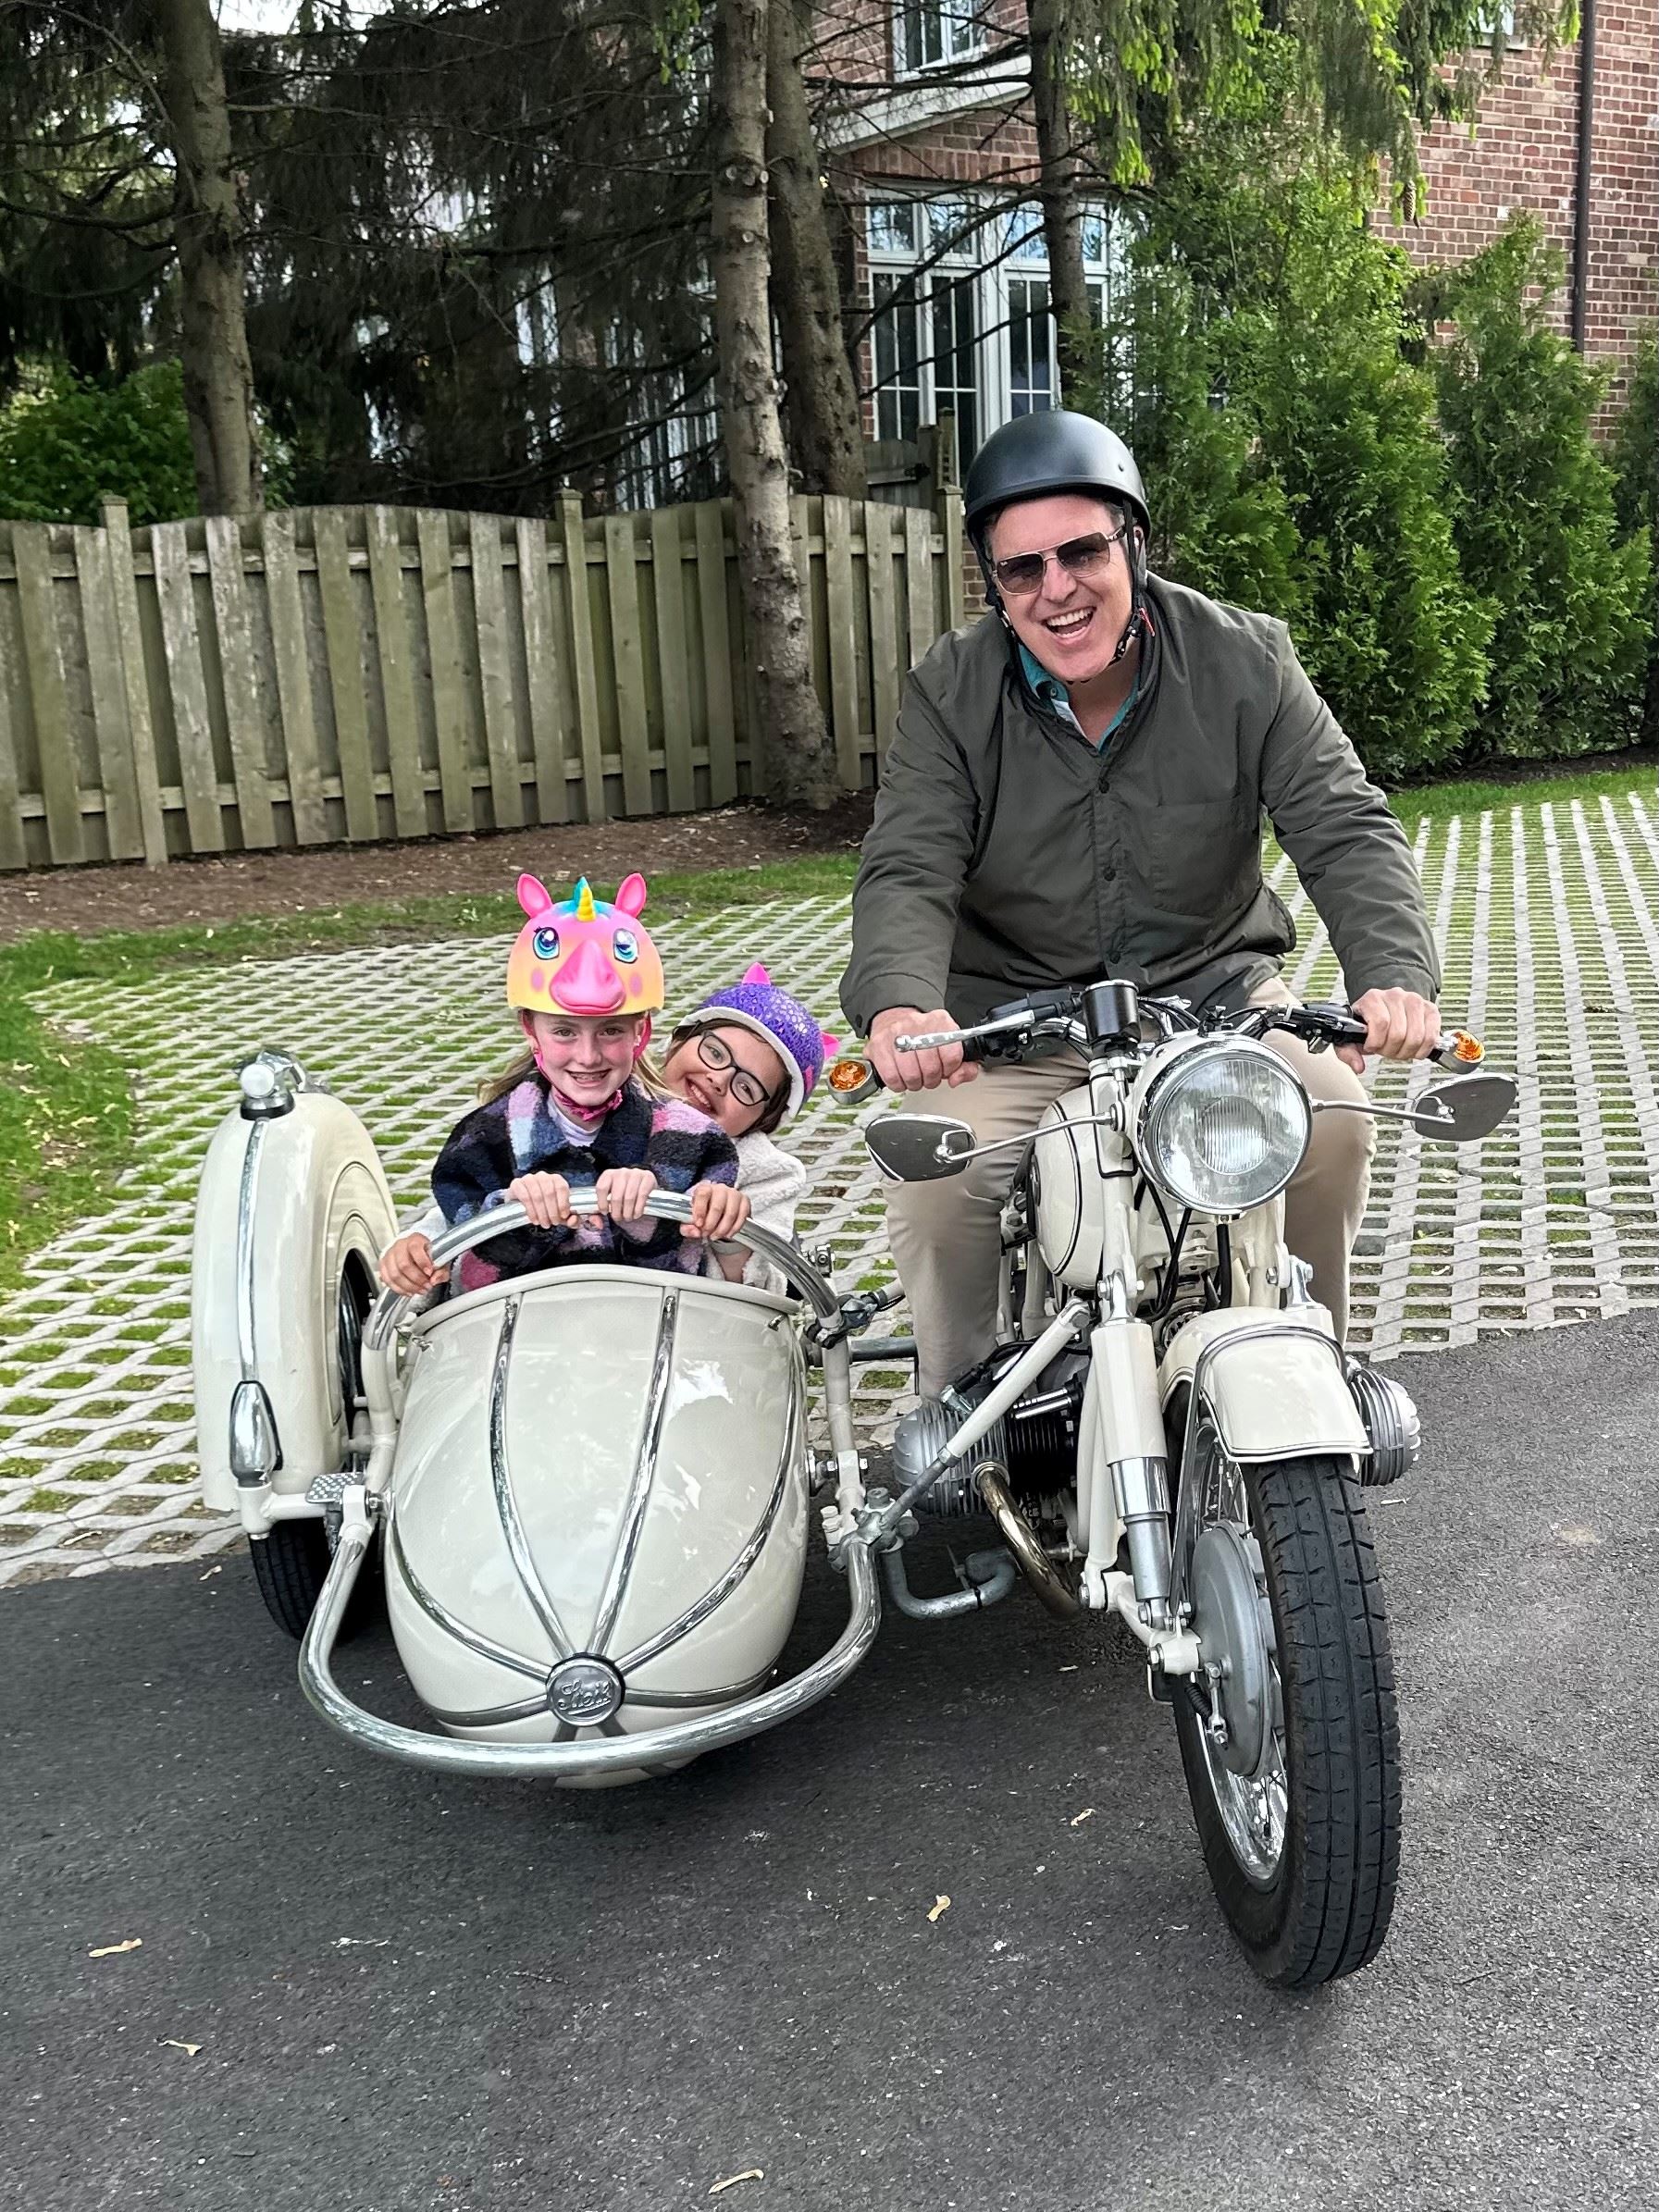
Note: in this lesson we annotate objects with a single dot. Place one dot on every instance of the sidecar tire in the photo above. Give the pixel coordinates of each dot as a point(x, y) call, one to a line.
point(1327, 1910)
point(290, 1565)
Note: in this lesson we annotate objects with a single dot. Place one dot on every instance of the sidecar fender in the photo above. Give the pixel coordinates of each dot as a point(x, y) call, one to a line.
point(1272, 1381)
point(287, 1207)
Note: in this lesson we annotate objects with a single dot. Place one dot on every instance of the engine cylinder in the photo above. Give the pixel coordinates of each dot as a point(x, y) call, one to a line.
point(1036, 1440)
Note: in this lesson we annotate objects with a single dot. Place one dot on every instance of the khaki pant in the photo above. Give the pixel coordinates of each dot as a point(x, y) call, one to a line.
point(945, 1235)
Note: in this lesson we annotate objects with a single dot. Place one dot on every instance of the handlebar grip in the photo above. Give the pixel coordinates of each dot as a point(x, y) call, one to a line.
point(1335, 1022)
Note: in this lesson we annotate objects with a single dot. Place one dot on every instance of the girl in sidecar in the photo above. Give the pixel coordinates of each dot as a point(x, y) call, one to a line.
point(585, 979)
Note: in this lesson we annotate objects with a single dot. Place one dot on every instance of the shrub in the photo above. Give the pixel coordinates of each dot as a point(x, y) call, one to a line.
point(1393, 634)
point(67, 444)
point(1291, 450)
point(1533, 512)
point(1220, 521)
point(1635, 457)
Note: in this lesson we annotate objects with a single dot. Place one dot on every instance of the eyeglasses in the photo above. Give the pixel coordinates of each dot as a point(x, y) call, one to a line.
point(748, 1090)
point(1021, 575)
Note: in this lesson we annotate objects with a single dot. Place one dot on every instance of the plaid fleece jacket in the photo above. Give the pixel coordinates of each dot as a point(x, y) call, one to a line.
point(517, 1135)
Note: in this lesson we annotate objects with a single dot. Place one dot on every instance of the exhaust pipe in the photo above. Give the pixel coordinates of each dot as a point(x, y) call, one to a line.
point(1017, 1533)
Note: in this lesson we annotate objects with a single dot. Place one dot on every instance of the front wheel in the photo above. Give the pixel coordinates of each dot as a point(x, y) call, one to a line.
point(1289, 1735)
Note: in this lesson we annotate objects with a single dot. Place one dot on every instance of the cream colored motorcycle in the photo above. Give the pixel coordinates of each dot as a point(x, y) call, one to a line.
point(1170, 1433)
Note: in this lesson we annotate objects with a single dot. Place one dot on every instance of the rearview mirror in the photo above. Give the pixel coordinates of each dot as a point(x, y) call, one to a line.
point(918, 1148)
point(1464, 1110)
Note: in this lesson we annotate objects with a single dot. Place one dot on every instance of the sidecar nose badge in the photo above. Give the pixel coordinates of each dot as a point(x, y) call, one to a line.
point(583, 1692)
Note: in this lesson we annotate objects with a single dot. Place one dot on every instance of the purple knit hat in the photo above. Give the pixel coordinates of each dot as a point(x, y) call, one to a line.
point(757, 1004)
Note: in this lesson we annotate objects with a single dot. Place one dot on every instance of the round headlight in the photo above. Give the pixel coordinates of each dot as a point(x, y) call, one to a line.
point(1222, 1125)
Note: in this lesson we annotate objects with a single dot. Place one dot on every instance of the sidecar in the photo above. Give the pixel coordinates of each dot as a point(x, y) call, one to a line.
point(590, 1489)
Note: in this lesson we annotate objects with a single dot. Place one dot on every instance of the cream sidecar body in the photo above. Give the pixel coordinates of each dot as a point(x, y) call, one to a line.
point(596, 1515)
point(590, 1486)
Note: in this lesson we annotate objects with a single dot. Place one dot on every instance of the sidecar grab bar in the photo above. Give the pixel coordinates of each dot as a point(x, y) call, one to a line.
point(662, 1205)
point(588, 1755)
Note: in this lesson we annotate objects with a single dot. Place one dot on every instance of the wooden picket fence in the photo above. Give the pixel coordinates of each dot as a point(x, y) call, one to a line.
point(331, 674)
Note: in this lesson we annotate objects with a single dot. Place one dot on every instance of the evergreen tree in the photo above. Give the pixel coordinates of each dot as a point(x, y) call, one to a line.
point(1534, 514)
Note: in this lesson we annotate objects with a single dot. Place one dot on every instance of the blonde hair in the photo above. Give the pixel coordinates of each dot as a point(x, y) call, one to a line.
point(522, 1066)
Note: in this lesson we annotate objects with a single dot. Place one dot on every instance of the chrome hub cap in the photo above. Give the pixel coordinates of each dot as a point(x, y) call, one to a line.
point(583, 1692)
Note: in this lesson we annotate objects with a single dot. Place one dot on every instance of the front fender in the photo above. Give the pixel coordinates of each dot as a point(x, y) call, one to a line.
point(1275, 1390)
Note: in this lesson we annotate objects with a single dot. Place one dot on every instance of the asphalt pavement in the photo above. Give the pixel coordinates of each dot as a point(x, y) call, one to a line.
point(365, 1989)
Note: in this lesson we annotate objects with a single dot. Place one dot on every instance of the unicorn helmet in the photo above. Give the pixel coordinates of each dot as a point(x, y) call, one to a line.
point(757, 1004)
point(588, 956)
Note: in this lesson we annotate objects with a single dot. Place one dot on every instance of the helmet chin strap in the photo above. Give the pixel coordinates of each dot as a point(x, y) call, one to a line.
point(1137, 594)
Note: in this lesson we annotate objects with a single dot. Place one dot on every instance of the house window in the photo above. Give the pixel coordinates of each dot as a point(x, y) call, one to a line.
point(962, 323)
point(927, 32)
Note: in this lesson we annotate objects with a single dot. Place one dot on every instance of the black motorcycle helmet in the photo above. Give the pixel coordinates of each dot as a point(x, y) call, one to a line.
point(1052, 451)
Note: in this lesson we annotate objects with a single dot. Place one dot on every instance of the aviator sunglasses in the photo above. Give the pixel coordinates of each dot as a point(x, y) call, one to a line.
point(1021, 574)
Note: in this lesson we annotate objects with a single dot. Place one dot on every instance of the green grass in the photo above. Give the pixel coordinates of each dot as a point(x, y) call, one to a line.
point(1440, 801)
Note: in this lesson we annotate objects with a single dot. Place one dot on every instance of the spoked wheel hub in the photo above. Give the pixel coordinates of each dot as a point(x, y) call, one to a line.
point(1242, 1733)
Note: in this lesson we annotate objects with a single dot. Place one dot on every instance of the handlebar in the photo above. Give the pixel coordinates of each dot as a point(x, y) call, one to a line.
point(1053, 1015)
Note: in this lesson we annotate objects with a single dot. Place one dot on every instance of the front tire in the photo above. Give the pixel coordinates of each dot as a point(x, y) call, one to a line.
point(1300, 1819)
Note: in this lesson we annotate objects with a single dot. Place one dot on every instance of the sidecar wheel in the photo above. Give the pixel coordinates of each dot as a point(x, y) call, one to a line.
point(1298, 1809)
point(292, 1563)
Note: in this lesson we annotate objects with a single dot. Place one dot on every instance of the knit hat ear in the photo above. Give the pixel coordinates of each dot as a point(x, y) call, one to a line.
point(756, 974)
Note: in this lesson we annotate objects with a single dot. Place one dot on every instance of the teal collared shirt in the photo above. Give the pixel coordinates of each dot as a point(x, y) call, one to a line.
point(1051, 693)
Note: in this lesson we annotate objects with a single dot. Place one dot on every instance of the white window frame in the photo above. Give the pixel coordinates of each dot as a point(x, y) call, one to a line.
point(958, 27)
point(993, 268)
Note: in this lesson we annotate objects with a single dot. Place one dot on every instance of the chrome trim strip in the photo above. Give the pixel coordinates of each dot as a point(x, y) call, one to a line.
point(473, 1638)
point(695, 1615)
point(506, 1505)
point(702, 1697)
point(246, 1349)
point(595, 1755)
point(497, 1715)
point(645, 1469)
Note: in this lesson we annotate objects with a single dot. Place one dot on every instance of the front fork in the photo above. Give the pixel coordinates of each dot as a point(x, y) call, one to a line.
point(1123, 1483)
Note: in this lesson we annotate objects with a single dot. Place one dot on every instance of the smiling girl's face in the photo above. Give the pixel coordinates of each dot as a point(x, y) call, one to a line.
point(749, 1063)
point(586, 1057)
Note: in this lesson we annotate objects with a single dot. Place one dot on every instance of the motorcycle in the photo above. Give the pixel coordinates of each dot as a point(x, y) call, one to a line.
point(589, 1490)
point(1168, 1432)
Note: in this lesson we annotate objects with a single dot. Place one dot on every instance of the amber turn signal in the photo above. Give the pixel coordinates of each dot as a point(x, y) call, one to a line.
point(1466, 1051)
point(847, 1073)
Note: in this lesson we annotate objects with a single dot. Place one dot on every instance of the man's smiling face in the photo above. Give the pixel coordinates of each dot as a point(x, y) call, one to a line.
point(1073, 624)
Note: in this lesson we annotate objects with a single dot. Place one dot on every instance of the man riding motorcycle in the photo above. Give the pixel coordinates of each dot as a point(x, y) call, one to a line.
point(1075, 790)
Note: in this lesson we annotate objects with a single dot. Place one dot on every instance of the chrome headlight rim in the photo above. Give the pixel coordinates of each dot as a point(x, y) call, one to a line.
point(1161, 1081)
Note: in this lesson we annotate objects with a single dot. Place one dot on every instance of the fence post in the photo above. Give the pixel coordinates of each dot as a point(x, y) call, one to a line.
point(947, 499)
point(584, 681)
point(130, 638)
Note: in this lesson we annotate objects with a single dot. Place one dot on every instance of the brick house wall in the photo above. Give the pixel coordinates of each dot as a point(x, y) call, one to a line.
point(1523, 156)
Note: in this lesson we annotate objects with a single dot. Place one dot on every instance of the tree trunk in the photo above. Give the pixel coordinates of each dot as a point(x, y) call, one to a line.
point(826, 436)
point(1058, 186)
point(218, 376)
point(801, 766)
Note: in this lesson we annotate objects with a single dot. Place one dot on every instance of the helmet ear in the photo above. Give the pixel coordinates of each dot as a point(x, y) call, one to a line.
point(630, 894)
point(757, 974)
point(534, 896)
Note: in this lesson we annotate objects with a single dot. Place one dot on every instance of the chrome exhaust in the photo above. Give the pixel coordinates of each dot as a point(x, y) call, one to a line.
point(991, 1479)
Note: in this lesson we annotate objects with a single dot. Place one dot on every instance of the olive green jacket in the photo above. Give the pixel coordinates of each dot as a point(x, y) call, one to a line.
point(1008, 856)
